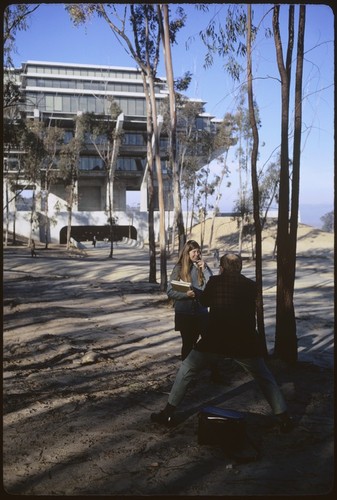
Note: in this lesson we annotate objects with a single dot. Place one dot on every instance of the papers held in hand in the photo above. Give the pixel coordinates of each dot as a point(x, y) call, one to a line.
point(180, 286)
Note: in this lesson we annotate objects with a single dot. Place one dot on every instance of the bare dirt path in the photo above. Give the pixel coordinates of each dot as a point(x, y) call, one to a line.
point(90, 351)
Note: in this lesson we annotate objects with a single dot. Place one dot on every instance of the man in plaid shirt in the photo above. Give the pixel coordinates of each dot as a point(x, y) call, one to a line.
point(231, 334)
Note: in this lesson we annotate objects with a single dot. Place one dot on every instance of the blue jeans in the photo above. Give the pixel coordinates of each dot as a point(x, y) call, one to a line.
point(196, 361)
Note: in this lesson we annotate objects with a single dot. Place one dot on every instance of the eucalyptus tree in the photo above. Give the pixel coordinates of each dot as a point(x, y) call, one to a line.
point(13, 132)
point(31, 161)
point(286, 338)
point(328, 222)
point(168, 32)
point(234, 42)
point(242, 206)
point(189, 191)
point(188, 152)
point(68, 164)
point(105, 133)
point(269, 185)
point(15, 18)
point(253, 120)
point(205, 190)
point(224, 139)
point(52, 139)
point(144, 50)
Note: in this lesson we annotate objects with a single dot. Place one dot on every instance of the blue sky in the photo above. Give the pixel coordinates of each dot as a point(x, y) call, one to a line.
point(60, 41)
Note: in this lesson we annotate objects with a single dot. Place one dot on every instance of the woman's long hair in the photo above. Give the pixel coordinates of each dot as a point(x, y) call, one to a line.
point(185, 261)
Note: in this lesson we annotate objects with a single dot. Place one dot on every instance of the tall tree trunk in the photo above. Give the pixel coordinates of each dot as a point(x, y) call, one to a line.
point(256, 200)
point(32, 215)
point(70, 211)
point(285, 335)
point(297, 144)
point(7, 210)
point(111, 179)
point(165, 32)
point(14, 223)
point(161, 205)
point(150, 186)
point(110, 209)
point(46, 211)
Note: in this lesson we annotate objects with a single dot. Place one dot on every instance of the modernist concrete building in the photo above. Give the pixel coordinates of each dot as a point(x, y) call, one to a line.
point(56, 93)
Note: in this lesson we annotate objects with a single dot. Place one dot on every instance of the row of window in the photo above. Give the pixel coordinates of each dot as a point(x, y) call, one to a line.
point(85, 85)
point(94, 72)
point(123, 164)
point(88, 163)
point(91, 104)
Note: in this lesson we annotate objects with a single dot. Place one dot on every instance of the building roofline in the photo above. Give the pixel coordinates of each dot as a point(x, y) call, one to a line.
point(81, 65)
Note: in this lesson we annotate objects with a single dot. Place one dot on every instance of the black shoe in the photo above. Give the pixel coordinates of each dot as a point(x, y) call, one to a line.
point(162, 418)
point(287, 426)
point(286, 423)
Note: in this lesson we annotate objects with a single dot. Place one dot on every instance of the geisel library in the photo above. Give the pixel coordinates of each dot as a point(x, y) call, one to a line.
point(56, 93)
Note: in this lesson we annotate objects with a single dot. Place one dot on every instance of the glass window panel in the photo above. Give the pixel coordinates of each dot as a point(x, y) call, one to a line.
point(123, 104)
point(99, 106)
point(73, 104)
point(58, 103)
point(140, 111)
point(83, 103)
point(132, 107)
point(49, 103)
point(66, 104)
point(91, 104)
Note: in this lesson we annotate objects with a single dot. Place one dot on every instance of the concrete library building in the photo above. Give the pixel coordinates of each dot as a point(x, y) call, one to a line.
point(56, 93)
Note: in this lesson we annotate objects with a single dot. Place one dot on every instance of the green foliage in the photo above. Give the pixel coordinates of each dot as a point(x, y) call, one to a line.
point(146, 32)
point(328, 220)
point(81, 13)
point(181, 84)
point(32, 143)
point(15, 19)
point(12, 95)
point(227, 38)
point(176, 23)
point(69, 154)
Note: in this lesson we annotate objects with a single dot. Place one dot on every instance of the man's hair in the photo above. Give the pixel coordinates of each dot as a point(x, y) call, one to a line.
point(231, 263)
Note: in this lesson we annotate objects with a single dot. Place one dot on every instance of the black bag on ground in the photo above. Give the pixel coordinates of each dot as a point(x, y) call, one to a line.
point(221, 427)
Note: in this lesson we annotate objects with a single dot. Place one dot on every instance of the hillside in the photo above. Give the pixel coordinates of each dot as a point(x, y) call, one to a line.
point(310, 241)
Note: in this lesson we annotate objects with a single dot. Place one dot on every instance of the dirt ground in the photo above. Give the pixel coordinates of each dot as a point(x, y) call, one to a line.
point(89, 351)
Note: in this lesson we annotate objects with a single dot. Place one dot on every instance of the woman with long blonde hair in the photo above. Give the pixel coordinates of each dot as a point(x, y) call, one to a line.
point(190, 316)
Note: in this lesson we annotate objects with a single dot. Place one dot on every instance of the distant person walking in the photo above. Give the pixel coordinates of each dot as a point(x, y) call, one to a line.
point(94, 240)
point(32, 249)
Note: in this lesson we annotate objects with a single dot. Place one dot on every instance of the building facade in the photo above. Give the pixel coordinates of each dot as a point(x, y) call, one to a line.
point(56, 93)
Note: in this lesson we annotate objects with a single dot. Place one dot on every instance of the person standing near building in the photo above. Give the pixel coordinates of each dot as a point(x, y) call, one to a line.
point(32, 249)
point(232, 334)
point(94, 240)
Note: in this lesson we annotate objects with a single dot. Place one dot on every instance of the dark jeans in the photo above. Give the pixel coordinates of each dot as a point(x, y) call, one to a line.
point(256, 367)
point(189, 340)
point(190, 328)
